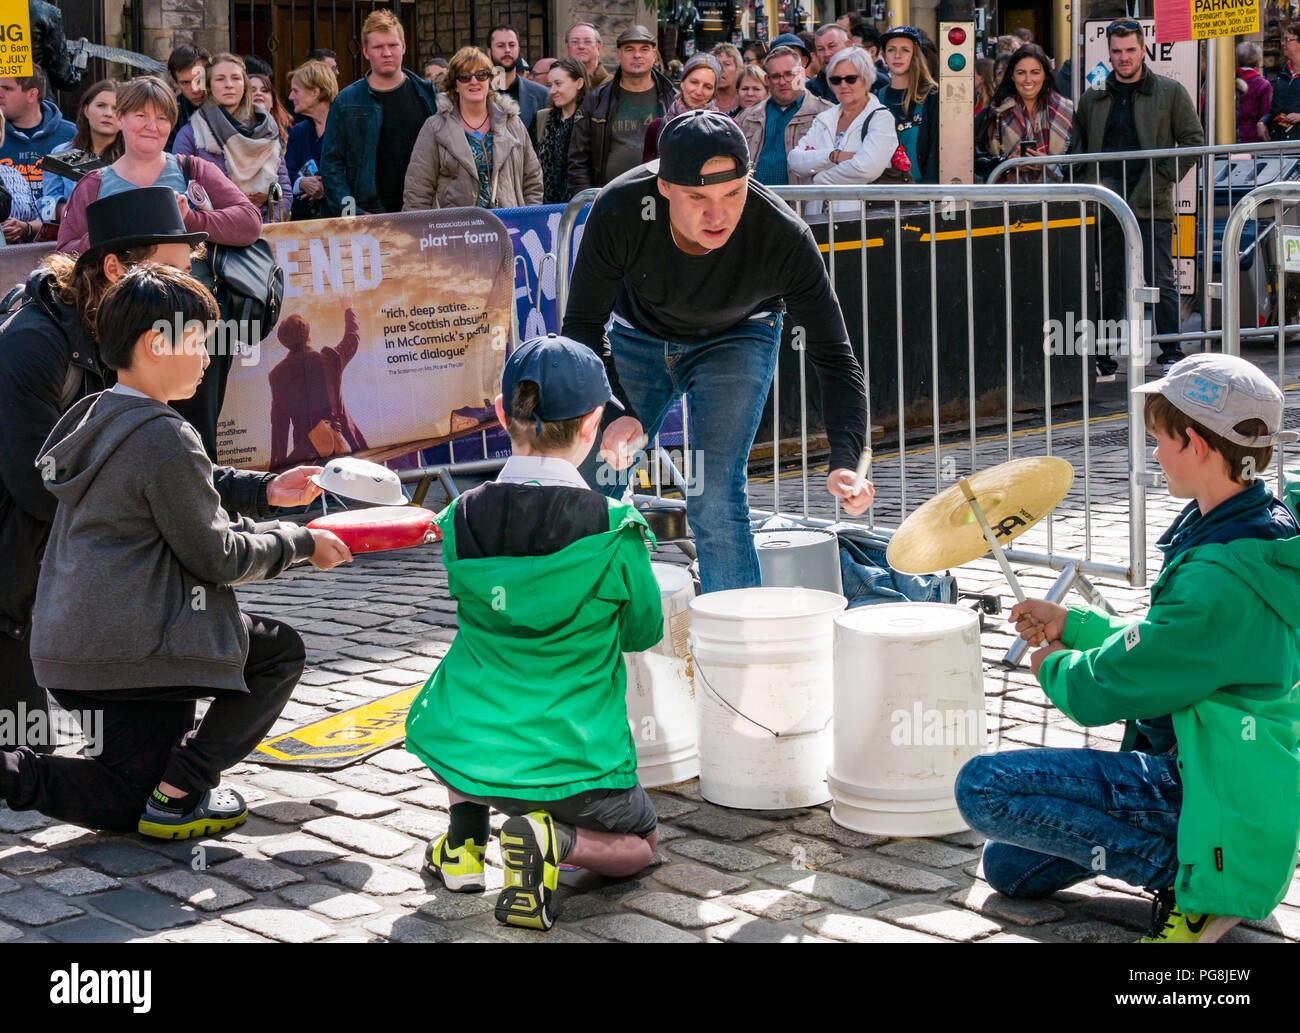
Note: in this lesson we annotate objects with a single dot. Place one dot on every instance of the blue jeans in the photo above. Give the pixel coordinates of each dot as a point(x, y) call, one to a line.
point(726, 379)
point(1055, 817)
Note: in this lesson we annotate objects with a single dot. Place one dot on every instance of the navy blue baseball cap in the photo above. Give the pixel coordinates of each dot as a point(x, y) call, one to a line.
point(570, 378)
point(691, 139)
point(789, 39)
point(901, 32)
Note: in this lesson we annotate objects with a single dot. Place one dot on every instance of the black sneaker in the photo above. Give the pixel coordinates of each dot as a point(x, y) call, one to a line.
point(1105, 372)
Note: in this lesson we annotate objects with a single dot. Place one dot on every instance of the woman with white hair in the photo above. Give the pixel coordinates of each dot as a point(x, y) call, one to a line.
point(854, 141)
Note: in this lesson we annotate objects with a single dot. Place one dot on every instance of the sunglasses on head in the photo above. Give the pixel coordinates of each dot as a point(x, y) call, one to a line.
point(1124, 24)
point(835, 80)
point(482, 75)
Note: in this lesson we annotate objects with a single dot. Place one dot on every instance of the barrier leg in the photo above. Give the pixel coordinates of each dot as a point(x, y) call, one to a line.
point(1055, 594)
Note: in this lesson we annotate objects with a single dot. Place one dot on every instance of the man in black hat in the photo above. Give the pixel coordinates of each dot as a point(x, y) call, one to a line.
point(609, 132)
point(696, 263)
point(49, 360)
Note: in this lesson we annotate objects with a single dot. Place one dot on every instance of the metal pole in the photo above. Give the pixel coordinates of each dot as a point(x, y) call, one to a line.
point(1207, 189)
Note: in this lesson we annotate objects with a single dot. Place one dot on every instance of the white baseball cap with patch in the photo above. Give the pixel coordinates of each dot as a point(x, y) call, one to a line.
point(1219, 391)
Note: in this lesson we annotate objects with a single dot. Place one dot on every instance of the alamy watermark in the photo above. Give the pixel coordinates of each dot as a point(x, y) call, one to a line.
point(1114, 338)
point(38, 728)
point(233, 337)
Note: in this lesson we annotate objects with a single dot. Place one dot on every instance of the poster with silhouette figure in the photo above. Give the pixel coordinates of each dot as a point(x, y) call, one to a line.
point(392, 337)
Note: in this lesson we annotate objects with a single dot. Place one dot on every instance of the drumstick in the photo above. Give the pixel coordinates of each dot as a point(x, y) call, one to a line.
point(864, 464)
point(998, 554)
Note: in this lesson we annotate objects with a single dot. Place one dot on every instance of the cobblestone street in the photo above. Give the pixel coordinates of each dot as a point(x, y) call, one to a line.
point(337, 855)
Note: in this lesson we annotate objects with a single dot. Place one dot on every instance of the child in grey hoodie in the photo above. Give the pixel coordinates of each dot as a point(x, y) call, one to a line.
point(135, 615)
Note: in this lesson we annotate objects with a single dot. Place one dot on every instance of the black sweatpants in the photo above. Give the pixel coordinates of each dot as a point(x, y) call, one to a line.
point(18, 682)
point(1158, 271)
point(149, 736)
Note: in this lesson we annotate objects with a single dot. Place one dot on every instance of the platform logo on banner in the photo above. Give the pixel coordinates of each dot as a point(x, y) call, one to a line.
point(392, 337)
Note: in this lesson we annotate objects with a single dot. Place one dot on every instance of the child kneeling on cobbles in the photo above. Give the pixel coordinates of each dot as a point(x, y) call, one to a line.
point(1207, 816)
point(526, 713)
point(134, 612)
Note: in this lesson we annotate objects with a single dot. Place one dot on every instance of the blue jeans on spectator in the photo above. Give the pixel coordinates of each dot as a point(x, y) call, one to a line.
point(1054, 817)
point(726, 378)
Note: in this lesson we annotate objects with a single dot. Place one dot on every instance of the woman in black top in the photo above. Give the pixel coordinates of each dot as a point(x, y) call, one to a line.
point(553, 126)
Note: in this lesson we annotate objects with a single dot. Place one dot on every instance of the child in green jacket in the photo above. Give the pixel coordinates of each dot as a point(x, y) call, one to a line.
point(526, 713)
point(1207, 816)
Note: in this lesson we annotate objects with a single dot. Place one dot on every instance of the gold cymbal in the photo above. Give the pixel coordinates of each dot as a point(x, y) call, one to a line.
point(1014, 495)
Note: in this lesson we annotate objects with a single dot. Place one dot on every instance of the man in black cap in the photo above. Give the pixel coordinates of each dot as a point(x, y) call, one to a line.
point(609, 132)
point(49, 360)
point(696, 263)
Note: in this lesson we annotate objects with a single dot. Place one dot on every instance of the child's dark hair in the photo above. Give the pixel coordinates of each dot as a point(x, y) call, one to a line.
point(523, 428)
point(147, 295)
point(1244, 463)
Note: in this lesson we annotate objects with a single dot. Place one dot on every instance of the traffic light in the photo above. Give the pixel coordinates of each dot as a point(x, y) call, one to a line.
point(956, 102)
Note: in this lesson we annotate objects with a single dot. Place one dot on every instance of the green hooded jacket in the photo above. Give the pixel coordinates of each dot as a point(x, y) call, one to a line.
point(1219, 650)
point(529, 701)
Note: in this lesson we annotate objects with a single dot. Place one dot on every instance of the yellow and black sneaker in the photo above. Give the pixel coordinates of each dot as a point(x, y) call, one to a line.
point(532, 872)
point(460, 868)
point(218, 810)
point(1170, 925)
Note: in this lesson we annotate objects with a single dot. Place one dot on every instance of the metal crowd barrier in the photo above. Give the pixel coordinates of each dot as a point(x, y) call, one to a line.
point(922, 208)
point(1227, 173)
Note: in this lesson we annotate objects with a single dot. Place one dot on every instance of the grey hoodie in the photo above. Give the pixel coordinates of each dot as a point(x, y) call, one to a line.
point(135, 584)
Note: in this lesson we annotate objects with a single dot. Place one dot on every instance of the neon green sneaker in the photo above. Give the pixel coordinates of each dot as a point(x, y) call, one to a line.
point(1169, 925)
point(460, 868)
point(532, 872)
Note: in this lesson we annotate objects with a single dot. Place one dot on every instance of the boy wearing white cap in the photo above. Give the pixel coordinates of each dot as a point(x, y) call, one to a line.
point(1208, 815)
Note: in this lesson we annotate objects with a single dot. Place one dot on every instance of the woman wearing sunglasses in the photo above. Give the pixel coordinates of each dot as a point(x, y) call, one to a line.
point(1025, 118)
point(852, 142)
point(913, 96)
point(475, 151)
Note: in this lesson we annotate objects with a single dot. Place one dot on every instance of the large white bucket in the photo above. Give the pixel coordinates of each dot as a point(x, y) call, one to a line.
point(763, 667)
point(661, 689)
point(909, 712)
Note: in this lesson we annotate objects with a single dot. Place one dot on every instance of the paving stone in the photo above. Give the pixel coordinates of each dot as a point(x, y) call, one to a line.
point(892, 876)
point(1245, 934)
point(280, 924)
point(143, 909)
point(397, 761)
point(1093, 932)
point(91, 930)
point(351, 804)
point(422, 824)
point(723, 824)
point(208, 932)
point(860, 929)
point(667, 833)
point(258, 875)
point(37, 907)
point(350, 666)
point(75, 882)
point(676, 909)
point(7, 885)
point(938, 920)
point(288, 812)
point(819, 824)
point(53, 836)
point(927, 852)
point(9, 932)
point(28, 862)
point(699, 881)
point(370, 877)
point(1105, 882)
point(22, 821)
point(581, 906)
point(756, 930)
point(1284, 919)
point(300, 850)
point(433, 797)
point(808, 852)
point(409, 929)
point(1127, 911)
point(636, 929)
point(446, 906)
point(721, 855)
point(776, 905)
point(290, 784)
point(981, 897)
point(360, 836)
point(383, 783)
point(669, 807)
point(838, 889)
point(198, 889)
point(394, 677)
point(318, 677)
point(198, 854)
point(329, 901)
point(377, 655)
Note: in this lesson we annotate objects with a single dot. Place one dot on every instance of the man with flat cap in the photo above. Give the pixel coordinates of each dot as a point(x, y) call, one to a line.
point(696, 262)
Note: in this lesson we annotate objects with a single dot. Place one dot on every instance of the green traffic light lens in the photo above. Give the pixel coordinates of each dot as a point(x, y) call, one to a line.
point(956, 62)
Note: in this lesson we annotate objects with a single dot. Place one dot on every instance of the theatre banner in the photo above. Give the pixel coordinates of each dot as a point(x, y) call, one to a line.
point(392, 337)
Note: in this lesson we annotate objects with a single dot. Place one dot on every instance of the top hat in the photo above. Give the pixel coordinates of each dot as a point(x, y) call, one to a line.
point(135, 218)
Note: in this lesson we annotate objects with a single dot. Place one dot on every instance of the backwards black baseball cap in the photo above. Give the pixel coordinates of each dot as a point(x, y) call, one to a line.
point(696, 137)
point(570, 378)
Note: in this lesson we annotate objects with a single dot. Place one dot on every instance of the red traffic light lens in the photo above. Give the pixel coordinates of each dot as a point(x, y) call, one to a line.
point(956, 37)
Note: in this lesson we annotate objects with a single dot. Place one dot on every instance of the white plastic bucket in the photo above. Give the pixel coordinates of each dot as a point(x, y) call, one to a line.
point(763, 668)
point(806, 557)
point(909, 712)
point(661, 689)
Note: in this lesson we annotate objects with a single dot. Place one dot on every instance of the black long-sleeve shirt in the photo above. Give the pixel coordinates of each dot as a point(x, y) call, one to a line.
point(628, 263)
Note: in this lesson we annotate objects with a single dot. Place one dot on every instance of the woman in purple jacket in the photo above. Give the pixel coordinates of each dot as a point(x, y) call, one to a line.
point(240, 139)
point(1254, 95)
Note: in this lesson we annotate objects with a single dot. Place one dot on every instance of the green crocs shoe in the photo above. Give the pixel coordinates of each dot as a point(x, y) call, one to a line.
point(460, 868)
point(218, 810)
point(532, 872)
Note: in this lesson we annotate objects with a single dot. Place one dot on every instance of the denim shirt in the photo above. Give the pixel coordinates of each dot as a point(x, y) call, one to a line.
point(771, 168)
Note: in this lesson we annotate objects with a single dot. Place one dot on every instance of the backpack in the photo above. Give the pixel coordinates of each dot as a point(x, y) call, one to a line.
point(16, 299)
point(246, 281)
